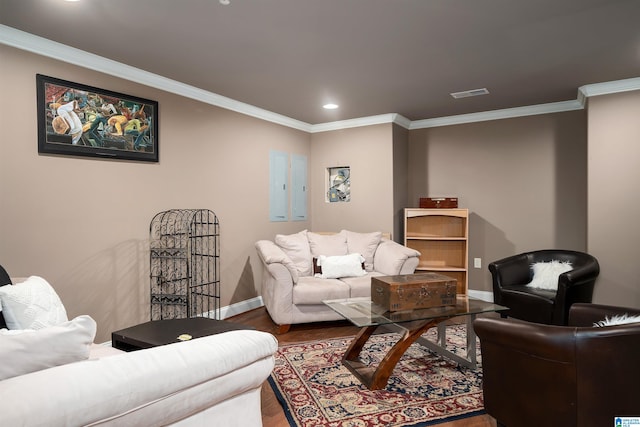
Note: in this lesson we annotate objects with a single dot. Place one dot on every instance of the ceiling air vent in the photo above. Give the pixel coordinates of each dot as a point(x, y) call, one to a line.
point(472, 92)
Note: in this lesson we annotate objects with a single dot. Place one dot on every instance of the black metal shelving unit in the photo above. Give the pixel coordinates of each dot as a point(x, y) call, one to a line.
point(185, 264)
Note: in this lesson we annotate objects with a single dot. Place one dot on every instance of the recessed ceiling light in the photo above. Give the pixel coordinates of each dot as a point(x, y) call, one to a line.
point(330, 106)
point(468, 93)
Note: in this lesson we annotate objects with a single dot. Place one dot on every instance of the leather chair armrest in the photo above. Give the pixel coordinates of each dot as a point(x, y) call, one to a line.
point(574, 286)
point(580, 275)
point(555, 343)
point(514, 270)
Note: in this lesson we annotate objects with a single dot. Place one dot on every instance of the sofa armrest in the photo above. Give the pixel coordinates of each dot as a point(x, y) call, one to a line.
point(156, 386)
point(270, 253)
point(392, 258)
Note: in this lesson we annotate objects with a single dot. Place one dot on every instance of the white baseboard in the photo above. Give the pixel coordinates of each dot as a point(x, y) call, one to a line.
point(240, 307)
point(483, 295)
point(237, 308)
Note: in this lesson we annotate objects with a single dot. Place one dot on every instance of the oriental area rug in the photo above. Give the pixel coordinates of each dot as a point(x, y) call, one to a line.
point(425, 389)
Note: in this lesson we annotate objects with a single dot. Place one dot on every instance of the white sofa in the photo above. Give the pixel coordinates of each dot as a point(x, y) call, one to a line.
point(293, 294)
point(215, 380)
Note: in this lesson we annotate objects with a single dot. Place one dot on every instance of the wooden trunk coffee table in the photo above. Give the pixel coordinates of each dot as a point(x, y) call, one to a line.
point(411, 325)
point(162, 332)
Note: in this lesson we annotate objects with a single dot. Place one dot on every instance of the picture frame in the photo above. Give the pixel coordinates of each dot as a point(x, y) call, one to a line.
point(81, 120)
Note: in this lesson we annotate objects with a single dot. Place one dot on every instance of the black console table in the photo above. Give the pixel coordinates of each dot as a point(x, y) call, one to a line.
point(162, 332)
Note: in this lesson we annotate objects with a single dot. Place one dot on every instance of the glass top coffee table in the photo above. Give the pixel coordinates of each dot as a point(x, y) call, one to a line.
point(411, 324)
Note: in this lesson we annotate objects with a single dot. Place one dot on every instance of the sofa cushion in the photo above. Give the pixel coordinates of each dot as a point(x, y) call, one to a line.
point(312, 290)
point(360, 286)
point(296, 246)
point(365, 244)
point(27, 351)
point(328, 244)
point(337, 266)
point(32, 304)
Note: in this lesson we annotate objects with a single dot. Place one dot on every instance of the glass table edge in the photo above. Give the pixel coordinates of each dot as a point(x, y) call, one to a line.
point(358, 311)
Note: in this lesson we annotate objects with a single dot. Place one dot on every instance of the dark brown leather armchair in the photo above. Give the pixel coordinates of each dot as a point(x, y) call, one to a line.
point(546, 375)
point(510, 275)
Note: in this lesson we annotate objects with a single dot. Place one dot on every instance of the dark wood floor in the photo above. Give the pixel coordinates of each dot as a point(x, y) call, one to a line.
point(272, 413)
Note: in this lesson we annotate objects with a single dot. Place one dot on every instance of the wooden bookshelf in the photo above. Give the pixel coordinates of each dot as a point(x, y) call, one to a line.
point(441, 237)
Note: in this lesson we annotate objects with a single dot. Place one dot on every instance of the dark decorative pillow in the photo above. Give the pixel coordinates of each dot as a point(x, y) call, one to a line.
point(4, 280)
point(4, 277)
point(317, 269)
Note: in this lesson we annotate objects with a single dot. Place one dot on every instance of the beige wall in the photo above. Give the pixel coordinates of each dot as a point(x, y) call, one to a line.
point(400, 180)
point(83, 223)
point(523, 181)
point(368, 151)
point(614, 200)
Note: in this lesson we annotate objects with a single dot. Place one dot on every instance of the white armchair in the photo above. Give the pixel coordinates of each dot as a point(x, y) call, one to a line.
point(52, 375)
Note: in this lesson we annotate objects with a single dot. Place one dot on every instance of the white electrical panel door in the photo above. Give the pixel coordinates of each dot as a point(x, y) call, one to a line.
point(278, 182)
point(298, 187)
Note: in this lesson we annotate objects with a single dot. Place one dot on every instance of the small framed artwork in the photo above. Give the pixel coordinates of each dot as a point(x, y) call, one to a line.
point(339, 184)
point(79, 120)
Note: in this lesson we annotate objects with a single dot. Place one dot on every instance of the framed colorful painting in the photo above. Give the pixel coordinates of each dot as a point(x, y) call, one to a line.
point(79, 120)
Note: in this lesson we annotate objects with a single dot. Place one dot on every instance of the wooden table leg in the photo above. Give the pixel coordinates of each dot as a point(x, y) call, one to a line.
point(376, 378)
point(354, 349)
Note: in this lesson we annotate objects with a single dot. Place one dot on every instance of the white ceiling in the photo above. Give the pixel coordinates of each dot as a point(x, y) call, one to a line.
point(369, 56)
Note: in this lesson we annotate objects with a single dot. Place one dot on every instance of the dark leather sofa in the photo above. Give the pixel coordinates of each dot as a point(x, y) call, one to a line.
point(546, 375)
point(511, 274)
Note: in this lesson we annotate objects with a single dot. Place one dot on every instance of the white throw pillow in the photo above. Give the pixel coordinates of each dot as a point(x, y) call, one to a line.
point(328, 244)
point(545, 274)
point(32, 304)
point(337, 266)
point(296, 246)
point(365, 244)
point(27, 351)
point(618, 319)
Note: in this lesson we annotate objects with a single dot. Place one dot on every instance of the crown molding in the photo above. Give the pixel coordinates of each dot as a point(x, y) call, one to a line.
point(507, 113)
point(362, 121)
point(44, 47)
point(402, 121)
point(607, 88)
point(48, 48)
